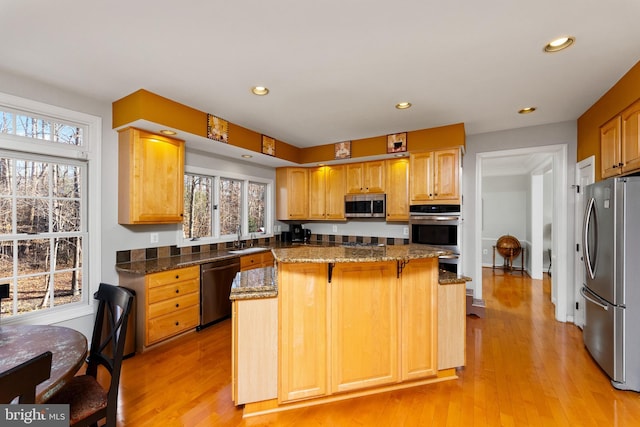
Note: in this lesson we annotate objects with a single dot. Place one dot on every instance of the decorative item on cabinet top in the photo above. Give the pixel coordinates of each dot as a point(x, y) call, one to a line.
point(397, 142)
point(217, 129)
point(268, 145)
point(342, 150)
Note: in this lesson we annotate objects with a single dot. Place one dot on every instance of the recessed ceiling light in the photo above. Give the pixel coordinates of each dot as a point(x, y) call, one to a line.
point(559, 44)
point(403, 105)
point(527, 110)
point(246, 156)
point(167, 132)
point(259, 90)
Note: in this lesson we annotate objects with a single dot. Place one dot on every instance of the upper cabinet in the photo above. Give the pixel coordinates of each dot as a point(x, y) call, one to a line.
point(150, 178)
point(620, 143)
point(292, 186)
point(326, 192)
point(397, 188)
point(435, 177)
point(366, 177)
point(631, 138)
point(611, 161)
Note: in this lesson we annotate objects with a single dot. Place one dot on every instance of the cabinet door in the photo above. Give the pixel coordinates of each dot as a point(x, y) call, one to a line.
point(317, 193)
point(292, 193)
point(447, 175)
point(355, 178)
point(150, 178)
point(421, 178)
point(419, 283)
point(364, 325)
point(335, 179)
point(374, 177)
point(631, 138)
point(610, 148)
point(397, 172)
point(452, 327)
point(302, 300)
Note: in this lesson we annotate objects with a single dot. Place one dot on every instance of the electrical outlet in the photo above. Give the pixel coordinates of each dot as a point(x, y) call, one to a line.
point(154, 237)
point(334, 228)
point(405, 231)
point(485, 251)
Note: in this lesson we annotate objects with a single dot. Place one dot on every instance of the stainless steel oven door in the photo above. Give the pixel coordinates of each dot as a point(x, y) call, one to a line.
point(437, 230)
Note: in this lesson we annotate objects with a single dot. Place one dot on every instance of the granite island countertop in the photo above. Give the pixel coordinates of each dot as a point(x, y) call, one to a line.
point(255, 284)
point(334, 254)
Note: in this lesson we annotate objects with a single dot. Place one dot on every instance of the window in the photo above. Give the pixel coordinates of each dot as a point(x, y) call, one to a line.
point(44, 214)
point(217, 207)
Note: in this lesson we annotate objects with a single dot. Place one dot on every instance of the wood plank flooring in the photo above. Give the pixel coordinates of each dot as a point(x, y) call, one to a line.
point(523, 369)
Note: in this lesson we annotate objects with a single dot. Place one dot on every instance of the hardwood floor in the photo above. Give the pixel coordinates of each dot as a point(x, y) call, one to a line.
point(523, 369)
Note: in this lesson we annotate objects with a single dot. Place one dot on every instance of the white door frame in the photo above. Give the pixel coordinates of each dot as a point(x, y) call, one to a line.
point(585, 175)
point(560, 271)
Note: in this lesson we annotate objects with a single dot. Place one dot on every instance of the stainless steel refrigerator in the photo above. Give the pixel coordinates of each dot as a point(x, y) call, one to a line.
point(611, 244)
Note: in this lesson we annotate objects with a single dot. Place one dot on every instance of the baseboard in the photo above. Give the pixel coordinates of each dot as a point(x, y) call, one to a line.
point(474, 306)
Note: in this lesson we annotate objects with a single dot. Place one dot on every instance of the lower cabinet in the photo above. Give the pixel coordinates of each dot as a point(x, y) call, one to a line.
point(255, 350)
point(302, 294)
point(168, 303)
point(364, 328)
point(452, 325)
point(364, 325)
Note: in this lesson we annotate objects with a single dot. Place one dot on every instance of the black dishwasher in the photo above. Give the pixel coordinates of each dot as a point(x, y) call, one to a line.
point(215, 286)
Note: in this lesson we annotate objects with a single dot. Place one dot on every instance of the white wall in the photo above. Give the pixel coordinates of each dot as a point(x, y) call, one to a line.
point(556, 134)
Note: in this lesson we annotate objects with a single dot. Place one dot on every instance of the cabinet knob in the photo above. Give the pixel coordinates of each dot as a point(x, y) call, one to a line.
point(620, 164)
point(177, 276)
point(177, 305)
point(177, 291)
point(177, 323)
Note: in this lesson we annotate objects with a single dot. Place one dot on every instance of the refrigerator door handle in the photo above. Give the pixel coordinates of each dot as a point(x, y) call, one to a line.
point(585, 237)
point(587, 295)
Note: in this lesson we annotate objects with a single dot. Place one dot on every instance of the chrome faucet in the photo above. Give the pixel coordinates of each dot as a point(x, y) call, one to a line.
point(239, 231)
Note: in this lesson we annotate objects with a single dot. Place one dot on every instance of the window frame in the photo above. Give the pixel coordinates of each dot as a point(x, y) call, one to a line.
point(88, 153)
point(215, 199)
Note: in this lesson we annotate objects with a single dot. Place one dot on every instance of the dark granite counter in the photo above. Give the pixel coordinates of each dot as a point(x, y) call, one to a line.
point(326, 254)
point(254, 284)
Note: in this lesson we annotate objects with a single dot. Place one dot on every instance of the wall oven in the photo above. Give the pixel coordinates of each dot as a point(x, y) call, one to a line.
point(439, 226)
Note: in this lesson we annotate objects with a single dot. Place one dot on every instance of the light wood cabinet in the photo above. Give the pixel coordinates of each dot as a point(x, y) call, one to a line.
point(364, 325)
point(150, 178)
point(173, 303)
point(292, 198)
point(452, 326)
point(419, 332)
point(435, 177)
point(366, 177)
point(255, 350)
point(302, 316)
point(256, 260)
point(397, 189)
point(631, 138)
point(610, 149)
point(326, 192)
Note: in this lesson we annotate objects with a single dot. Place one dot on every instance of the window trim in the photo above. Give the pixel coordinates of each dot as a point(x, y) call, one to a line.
point(216, 175)
point(90, 152)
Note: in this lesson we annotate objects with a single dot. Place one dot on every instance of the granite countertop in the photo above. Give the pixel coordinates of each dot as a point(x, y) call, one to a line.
point(449, 278)
point(254, 284)
point(326, 254)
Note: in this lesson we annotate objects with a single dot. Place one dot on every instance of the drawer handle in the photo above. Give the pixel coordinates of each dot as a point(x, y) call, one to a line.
point(177, 323)
point(177, 276)
point(177, 305)
point(177, 291)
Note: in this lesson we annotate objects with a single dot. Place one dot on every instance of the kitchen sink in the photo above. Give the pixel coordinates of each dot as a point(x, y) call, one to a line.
point(248, 250)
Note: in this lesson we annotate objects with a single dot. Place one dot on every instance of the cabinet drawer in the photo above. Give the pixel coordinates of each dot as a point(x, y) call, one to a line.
point(173, 276)
point(262, 259)
point(173, 304)
point(172, 324)
point(161, 293)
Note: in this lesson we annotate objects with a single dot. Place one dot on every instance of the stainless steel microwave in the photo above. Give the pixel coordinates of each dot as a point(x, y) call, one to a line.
point(365, 205)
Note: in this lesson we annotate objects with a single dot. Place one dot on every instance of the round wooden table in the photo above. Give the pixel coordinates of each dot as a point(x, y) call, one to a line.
point(19, 343)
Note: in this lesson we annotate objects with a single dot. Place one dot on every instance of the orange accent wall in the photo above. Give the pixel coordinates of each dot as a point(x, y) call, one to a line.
point(144, 105)
point(621, 95)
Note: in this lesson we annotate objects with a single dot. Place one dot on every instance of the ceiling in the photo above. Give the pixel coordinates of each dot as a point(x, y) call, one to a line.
point(335, 68)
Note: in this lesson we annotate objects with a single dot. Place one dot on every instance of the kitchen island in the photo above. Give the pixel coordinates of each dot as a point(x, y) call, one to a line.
point(354, 321)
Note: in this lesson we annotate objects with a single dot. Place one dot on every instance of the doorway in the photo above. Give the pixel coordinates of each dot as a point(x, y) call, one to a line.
point(559, 219)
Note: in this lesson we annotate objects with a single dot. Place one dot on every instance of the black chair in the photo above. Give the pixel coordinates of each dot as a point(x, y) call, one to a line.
point(88, 401)
point(21, 381)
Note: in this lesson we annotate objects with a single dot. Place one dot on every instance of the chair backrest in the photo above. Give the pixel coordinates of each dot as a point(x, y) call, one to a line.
point(21, 381)
point(109, 334)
